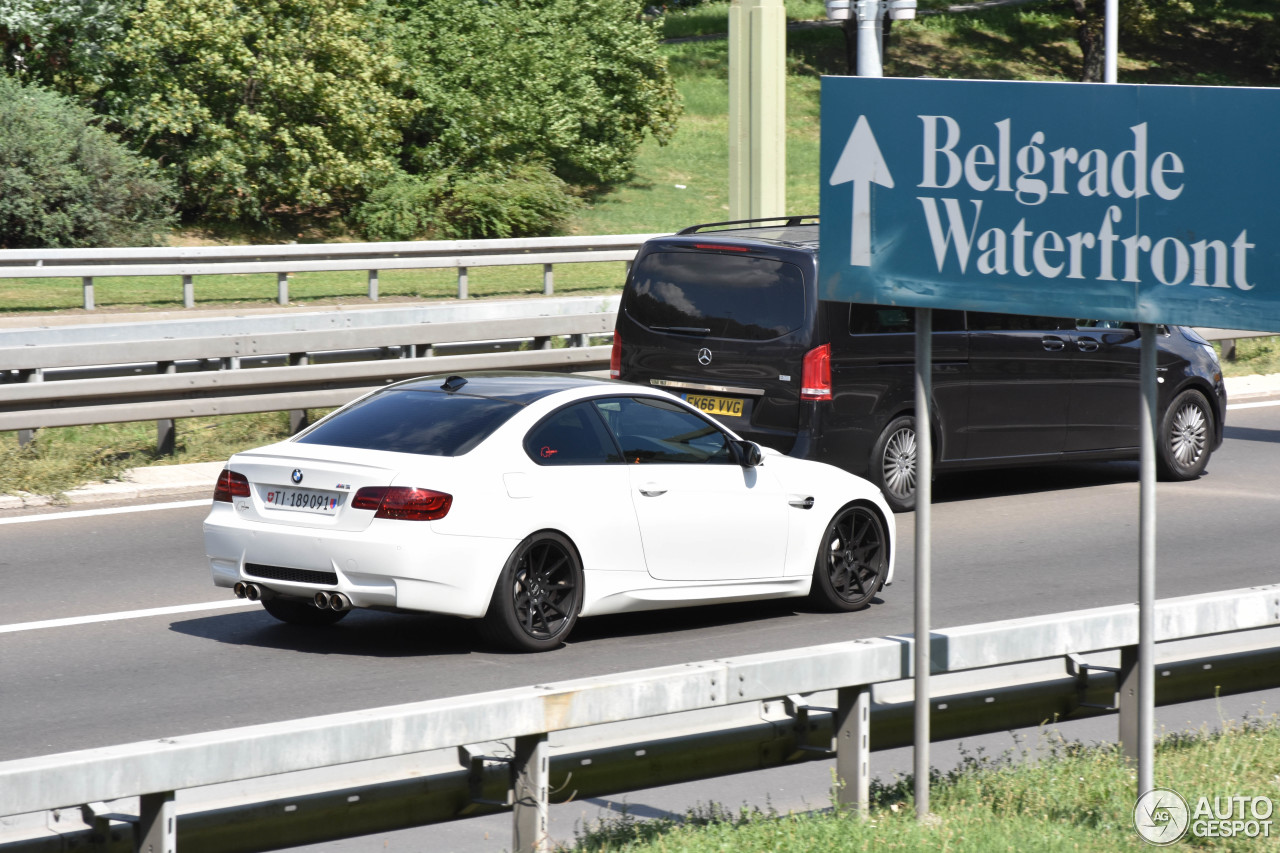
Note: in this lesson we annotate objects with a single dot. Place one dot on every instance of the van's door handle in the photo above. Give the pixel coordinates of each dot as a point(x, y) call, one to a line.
point(1087, 345)
point(1053, 344)
point(652, 490)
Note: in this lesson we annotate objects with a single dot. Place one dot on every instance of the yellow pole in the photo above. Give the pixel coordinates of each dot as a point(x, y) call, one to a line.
point(757, 109)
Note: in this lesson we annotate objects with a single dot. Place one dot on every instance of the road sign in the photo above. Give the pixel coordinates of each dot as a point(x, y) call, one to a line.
point(1152, 204)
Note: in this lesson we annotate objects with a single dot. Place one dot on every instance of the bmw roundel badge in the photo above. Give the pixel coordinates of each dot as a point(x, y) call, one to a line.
point(297, 475)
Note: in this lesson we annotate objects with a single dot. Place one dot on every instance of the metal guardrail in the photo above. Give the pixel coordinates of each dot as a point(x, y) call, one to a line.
point(417, 337)
point(188, 263)
point(615, 733)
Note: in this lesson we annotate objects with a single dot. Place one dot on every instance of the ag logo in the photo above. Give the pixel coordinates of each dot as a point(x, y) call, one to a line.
point(1161, 816)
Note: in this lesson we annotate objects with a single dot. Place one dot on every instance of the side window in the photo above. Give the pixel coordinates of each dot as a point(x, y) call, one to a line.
point(980, 321)
point(572, 436)
point(654, 431)
point(890, 319)
point(1102, 324)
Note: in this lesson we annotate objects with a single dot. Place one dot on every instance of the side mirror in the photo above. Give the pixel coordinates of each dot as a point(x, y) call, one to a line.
point(748, 453)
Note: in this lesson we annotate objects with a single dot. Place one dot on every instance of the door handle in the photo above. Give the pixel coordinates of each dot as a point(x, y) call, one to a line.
point(1087, 345)
point(1053, 344)
point(652, 490)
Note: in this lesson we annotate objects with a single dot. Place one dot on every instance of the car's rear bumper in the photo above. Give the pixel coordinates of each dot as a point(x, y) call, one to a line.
point(391, 564)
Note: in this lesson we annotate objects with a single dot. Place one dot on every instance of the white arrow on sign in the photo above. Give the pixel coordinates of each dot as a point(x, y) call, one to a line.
point(861, 163)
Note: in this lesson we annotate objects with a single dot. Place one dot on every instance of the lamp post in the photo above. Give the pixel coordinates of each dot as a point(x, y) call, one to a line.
point(870, 15)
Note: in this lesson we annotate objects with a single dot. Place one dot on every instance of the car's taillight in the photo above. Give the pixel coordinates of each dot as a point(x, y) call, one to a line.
point(815, 374)
point(615, 357)
point(230, 485)
point(403, 502)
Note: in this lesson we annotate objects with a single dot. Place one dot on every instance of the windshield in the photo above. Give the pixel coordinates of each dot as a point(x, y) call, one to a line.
point(716, 295)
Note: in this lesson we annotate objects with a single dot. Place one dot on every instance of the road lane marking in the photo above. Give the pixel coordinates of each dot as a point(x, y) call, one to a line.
point(125, 614)
point(1260, 404)
point(113, 510)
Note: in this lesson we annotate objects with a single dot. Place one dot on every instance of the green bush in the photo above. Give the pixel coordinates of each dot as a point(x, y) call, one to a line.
point(267, 111)
point(576, 84)
point(66, 183)
point(524, 201)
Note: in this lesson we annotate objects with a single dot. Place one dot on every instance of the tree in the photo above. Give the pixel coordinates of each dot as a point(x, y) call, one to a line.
point(60, 43)
point(1138, 16)
point(265, 110)
point(573, 84)
point(66, 183)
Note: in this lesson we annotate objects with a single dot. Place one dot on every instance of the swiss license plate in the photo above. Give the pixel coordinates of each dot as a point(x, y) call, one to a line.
point(302, 500)
point(715, 405)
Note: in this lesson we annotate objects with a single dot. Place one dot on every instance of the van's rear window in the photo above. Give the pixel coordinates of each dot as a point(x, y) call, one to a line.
point(717, 295)
point(432, 423)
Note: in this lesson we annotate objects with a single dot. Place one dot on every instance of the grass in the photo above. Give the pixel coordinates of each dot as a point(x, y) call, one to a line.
point(62, 458)
point(1076, 798)
point(1253, 355)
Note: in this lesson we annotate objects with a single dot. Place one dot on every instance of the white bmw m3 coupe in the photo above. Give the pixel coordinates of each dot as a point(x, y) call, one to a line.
point(527, 500)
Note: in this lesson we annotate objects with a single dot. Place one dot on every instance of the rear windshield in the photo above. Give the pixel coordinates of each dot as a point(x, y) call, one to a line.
point(431, 423)
point(716, 295)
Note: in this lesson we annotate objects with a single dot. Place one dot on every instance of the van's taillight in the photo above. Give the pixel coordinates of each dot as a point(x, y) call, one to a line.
point(815, 374)
point(230, 485)
point(615, 357)
point(403, 502)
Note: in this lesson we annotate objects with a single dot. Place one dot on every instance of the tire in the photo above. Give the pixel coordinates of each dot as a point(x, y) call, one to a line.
point(301, 612)
point(538, 596)
point(852, 560)
point(1186, 432)
point(893, 463)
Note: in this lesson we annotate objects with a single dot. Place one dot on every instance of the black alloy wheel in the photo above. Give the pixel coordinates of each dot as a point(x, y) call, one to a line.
point(536, 601)
point(893, 463)
point(852, 560)
point(1186, 431)
point(297, 612)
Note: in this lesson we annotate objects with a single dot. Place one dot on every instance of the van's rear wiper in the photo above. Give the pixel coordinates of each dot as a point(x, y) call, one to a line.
point(683, 330)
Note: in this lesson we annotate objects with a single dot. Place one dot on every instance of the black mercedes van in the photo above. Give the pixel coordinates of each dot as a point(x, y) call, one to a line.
point(726, 316)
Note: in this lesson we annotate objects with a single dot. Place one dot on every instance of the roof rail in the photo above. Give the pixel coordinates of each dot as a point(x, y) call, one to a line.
point(785, 220)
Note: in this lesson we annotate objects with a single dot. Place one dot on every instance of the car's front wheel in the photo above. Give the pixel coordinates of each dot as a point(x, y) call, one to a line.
point(852, 560)
point(301, 612)
point(1186, 431)
point(538, 596)
point(893, 463)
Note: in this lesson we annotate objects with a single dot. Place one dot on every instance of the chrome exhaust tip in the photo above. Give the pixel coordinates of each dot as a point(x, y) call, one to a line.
point(253, 592)
point(240, 589)
point(339, 602)
point(321, 600)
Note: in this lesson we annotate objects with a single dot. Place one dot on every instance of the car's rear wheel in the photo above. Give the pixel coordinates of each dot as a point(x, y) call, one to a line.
point(301, 612)
point(536, 601)
point(893, 463)
point(852, 559)
point(1186, 431)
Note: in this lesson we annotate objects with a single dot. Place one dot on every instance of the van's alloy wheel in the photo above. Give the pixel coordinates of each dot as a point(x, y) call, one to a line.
point(536, 601)
point(1186, 431)
point(893, 463)
point(852, 559)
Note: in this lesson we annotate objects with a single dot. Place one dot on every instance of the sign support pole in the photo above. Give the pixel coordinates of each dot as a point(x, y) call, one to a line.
point(1148, 422)
point(924, 545)
point(1110, 41)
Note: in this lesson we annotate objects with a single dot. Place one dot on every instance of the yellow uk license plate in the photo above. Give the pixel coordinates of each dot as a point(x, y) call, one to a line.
point(715, 405)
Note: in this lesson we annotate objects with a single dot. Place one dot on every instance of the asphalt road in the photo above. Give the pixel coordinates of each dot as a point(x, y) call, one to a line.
point(1006, 544)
